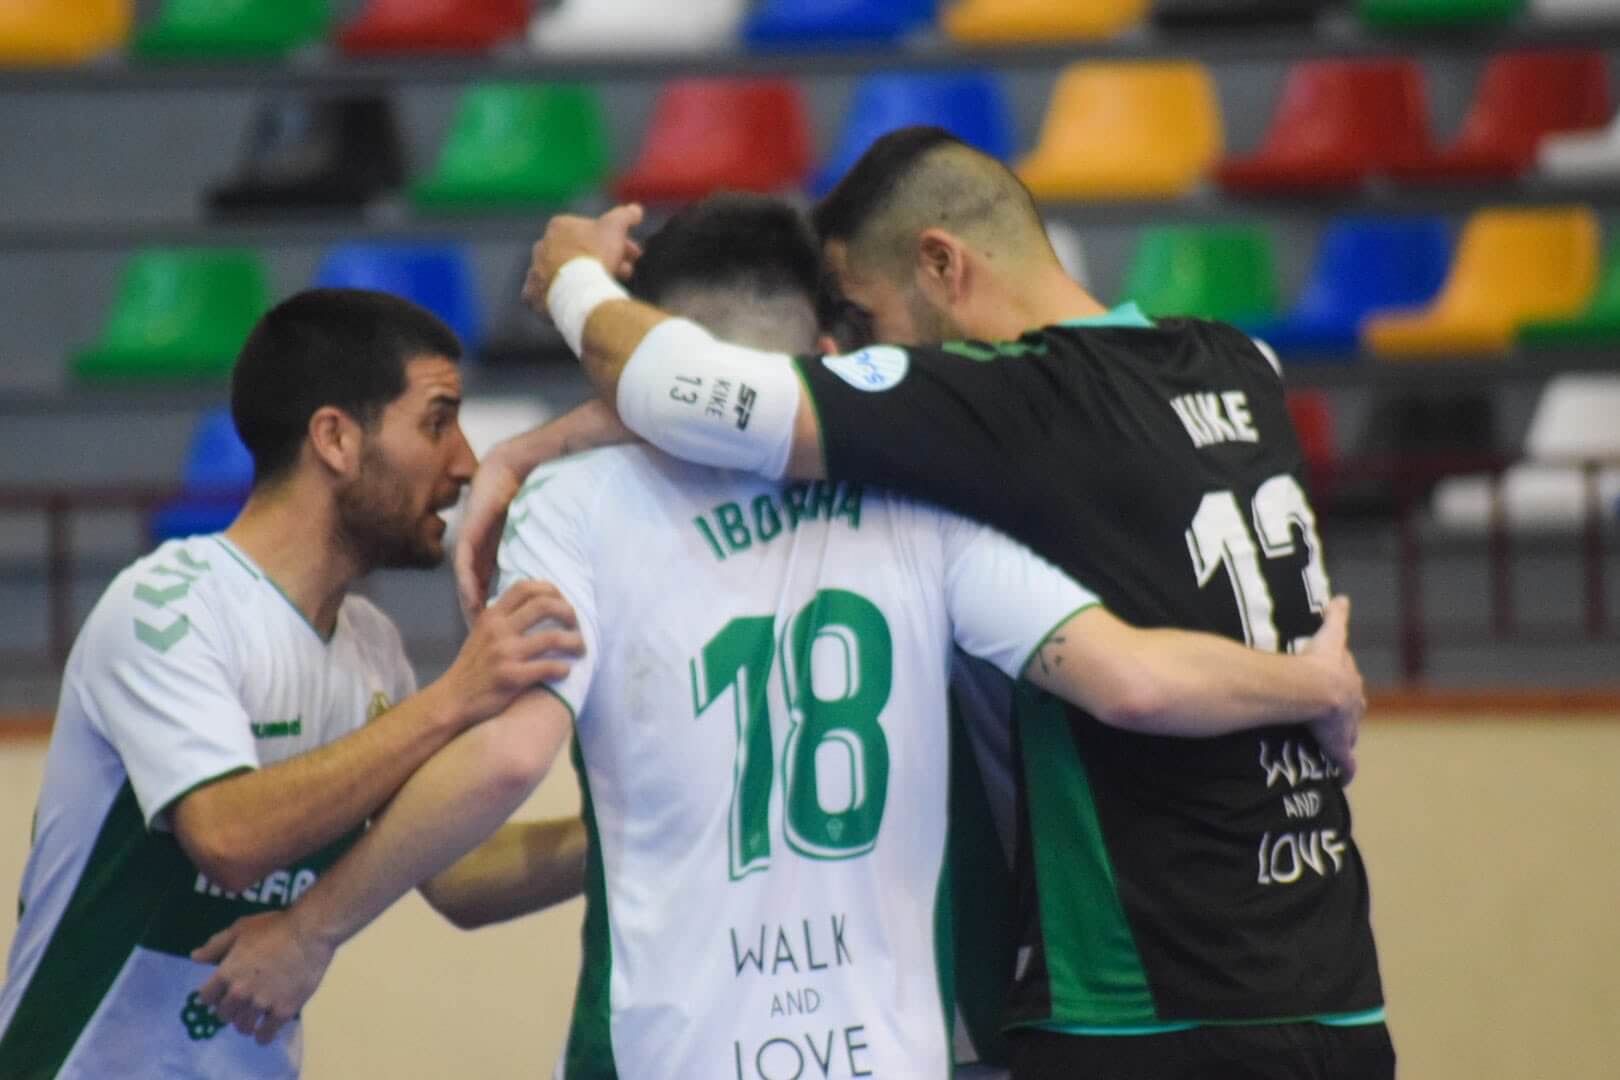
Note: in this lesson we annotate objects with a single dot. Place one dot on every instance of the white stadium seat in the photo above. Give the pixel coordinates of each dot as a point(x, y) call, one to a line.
point(1575, 10)
point(637, 26)
point(1581, 157)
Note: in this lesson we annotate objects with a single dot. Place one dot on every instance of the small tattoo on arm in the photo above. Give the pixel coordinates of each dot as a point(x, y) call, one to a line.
point(1057, 655)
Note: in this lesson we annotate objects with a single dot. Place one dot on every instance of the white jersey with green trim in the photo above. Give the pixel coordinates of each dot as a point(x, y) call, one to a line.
point(192, 666)
point(762, 740)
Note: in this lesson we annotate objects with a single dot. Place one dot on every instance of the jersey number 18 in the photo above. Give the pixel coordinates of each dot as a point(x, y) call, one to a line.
point(834, 733)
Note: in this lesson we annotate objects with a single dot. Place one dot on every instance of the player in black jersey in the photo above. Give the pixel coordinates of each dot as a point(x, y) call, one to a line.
point(1193, 910)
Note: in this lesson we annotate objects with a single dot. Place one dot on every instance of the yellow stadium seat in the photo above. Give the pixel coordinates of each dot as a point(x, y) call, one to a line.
point(1126, 131)
point(44, 32)
point(1512, 267)
point(1006, 22)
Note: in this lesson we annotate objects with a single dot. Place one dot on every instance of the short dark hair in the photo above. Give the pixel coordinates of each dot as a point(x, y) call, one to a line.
point(346, 348)
point(731, 240)
point(846, 209)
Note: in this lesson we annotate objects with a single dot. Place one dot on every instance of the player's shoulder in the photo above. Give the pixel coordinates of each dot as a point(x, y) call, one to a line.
point(581, 477)
point(167, 600)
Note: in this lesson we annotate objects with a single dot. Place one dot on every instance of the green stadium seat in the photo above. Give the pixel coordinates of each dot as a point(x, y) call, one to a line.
point(1423, 14)
point(179, 314)
point(1598, 324)
point(231, 29)
point(1223, 272)
point(514, 145)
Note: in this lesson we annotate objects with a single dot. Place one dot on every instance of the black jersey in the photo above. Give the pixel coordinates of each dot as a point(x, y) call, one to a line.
point(1160, 880)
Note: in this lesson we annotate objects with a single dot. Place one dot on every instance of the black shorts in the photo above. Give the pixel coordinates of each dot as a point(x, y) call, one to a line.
point(1266, 1052)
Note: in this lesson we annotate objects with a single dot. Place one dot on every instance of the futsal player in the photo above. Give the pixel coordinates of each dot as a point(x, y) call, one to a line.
point(1186, 909)
point(232, 713)
point(761, 728)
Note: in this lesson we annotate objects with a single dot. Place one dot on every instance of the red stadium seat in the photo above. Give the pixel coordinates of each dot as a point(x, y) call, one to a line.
point(1339, 121)
point(434, 25)
point(1523, 96)
point(1312, 414)
point(709, 135)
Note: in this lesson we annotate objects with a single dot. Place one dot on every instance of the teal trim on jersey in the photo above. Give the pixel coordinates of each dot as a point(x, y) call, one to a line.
point(1369, 1018)
point(1128, 315)
point(945, 940)
point(242, 557)
point(1060, 624)
point(590, 1033)
point(1094, 970)
point(114, 902)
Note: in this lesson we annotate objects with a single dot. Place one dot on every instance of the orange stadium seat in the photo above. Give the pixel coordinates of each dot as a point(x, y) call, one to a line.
point(1513, 266)
point(1006, 22)
point(45, 32)
point(709, 135)
point(1126, 131)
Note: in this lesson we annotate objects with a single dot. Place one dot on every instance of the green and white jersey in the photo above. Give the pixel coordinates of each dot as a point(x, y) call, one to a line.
point(763, 750)
point(192, 666)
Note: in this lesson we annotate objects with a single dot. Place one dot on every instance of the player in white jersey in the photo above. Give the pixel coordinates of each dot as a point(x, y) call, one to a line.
point(761, 732)
point(231, 715)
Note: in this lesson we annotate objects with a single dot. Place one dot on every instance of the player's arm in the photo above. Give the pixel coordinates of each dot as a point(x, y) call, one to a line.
point(527, 866)
point(238, 828)
point(646, 363)
point(1184, 683)
point(500, 476)
point(270, 965)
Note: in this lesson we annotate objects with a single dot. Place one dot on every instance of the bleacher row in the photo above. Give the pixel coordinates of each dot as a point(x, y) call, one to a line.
point(52, 32)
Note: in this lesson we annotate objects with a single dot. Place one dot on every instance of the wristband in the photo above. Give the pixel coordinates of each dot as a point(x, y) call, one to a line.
point(580, 286)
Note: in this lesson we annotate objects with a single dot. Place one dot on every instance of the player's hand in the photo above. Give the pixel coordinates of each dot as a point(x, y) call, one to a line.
point(268, 969)
point(516, 643)
point(605, 238)
point(1338, 730)
point(478, 542)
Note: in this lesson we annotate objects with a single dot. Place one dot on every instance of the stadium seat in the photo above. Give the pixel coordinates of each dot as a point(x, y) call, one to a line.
point(1189, 14)
point(415, 26)
point(1312, 414)
point(1597, 324)
point(1429, 14)
point(438, 278)
point(637, 26)
point(709, 135)
point(811, 24)
point(1221, 272)
point(515, 145)
point(1513, 266)
point(1575, 10)
point(1523, 96)
point(1574, 422)
point(218, 475)
point(179, 314)
point(331, 153)
point(46, 32)
point(1364, 265)
point(230, 29)
point(970, 106)
point(1339, 122)
point(1583, 157)
point(1014, 22)
point(1159, 123)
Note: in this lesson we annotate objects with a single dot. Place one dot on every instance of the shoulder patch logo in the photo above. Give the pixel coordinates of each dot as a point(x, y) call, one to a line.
point(880, 367)
point(379, 705)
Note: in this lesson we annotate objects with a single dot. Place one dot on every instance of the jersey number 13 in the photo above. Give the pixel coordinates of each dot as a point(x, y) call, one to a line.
point(835, 752)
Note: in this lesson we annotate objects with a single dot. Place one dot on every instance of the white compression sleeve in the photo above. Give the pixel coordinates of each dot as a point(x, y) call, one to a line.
point(710, 402)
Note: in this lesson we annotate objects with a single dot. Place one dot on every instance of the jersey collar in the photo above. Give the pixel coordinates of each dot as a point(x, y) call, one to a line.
point(1128, 314)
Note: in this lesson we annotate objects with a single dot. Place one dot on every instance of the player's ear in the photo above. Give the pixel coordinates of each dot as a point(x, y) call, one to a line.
point(941, 264)
point(334, 439)
point(826, 346)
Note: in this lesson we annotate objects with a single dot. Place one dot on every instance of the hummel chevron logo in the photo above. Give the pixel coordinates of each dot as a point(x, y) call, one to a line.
point(165, 639)
point(159, 597)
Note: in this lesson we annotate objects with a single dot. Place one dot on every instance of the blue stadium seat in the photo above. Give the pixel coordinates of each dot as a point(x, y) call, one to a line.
point(438, 278)
point(218, 474)
point(809, 24)
point(1365, 265)
point(969, 105)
